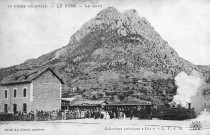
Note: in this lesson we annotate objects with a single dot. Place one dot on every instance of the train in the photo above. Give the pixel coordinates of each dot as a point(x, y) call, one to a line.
point(168, 112)
point(150, 111)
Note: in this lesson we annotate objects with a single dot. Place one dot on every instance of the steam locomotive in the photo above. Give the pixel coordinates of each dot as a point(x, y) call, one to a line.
point(170, 112)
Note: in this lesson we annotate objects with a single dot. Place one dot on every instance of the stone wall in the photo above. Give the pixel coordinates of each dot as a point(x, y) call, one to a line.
point(46, 92)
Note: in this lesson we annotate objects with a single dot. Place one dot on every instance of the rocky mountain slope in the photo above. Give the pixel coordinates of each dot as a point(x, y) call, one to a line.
point(205, 70)
point(110, 50)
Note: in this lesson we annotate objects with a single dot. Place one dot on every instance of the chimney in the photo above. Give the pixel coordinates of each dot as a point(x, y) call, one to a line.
point(189, 110)
point(189, 105)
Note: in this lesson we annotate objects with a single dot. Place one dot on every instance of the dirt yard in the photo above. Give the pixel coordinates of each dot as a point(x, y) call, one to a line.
point(105, 127)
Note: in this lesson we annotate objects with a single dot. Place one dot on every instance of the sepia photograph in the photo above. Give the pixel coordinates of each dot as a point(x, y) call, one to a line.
point(104, 67)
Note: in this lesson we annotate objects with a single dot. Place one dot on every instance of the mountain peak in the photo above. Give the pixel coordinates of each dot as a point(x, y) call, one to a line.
point(114, 11)
point(111, 19)
point(131, 12)
point(109, 9)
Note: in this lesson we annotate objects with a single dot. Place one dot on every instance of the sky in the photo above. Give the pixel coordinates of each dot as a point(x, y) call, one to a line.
point(27, 33)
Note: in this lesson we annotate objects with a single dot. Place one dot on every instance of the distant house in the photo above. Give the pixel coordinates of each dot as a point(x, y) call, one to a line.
point(31, 90)
point(145, 82)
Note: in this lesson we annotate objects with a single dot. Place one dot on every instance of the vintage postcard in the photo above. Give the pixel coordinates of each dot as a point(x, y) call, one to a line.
point(89, 67)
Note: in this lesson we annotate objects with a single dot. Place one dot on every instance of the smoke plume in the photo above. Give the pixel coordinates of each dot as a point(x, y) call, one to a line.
point(188, 86)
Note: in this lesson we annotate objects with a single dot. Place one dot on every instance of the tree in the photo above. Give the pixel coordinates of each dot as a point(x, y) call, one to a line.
point(121, 97)
point(94, 97)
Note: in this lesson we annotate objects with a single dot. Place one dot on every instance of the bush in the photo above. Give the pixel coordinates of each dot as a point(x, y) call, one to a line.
point(121, 97)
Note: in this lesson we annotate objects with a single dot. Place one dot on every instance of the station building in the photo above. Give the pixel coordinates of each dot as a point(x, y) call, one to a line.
point(31, 90)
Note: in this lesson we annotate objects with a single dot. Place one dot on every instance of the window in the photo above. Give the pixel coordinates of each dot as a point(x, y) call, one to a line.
point(5, 94)
point(15, 92)
point(15, 108)
point(25, 107)
point(5, 108)
point(24, 92)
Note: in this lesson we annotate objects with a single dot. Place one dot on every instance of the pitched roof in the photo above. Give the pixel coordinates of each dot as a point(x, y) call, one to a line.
point(133, 102)
point(68, 99)
point(27, 76)
point(89, 102)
